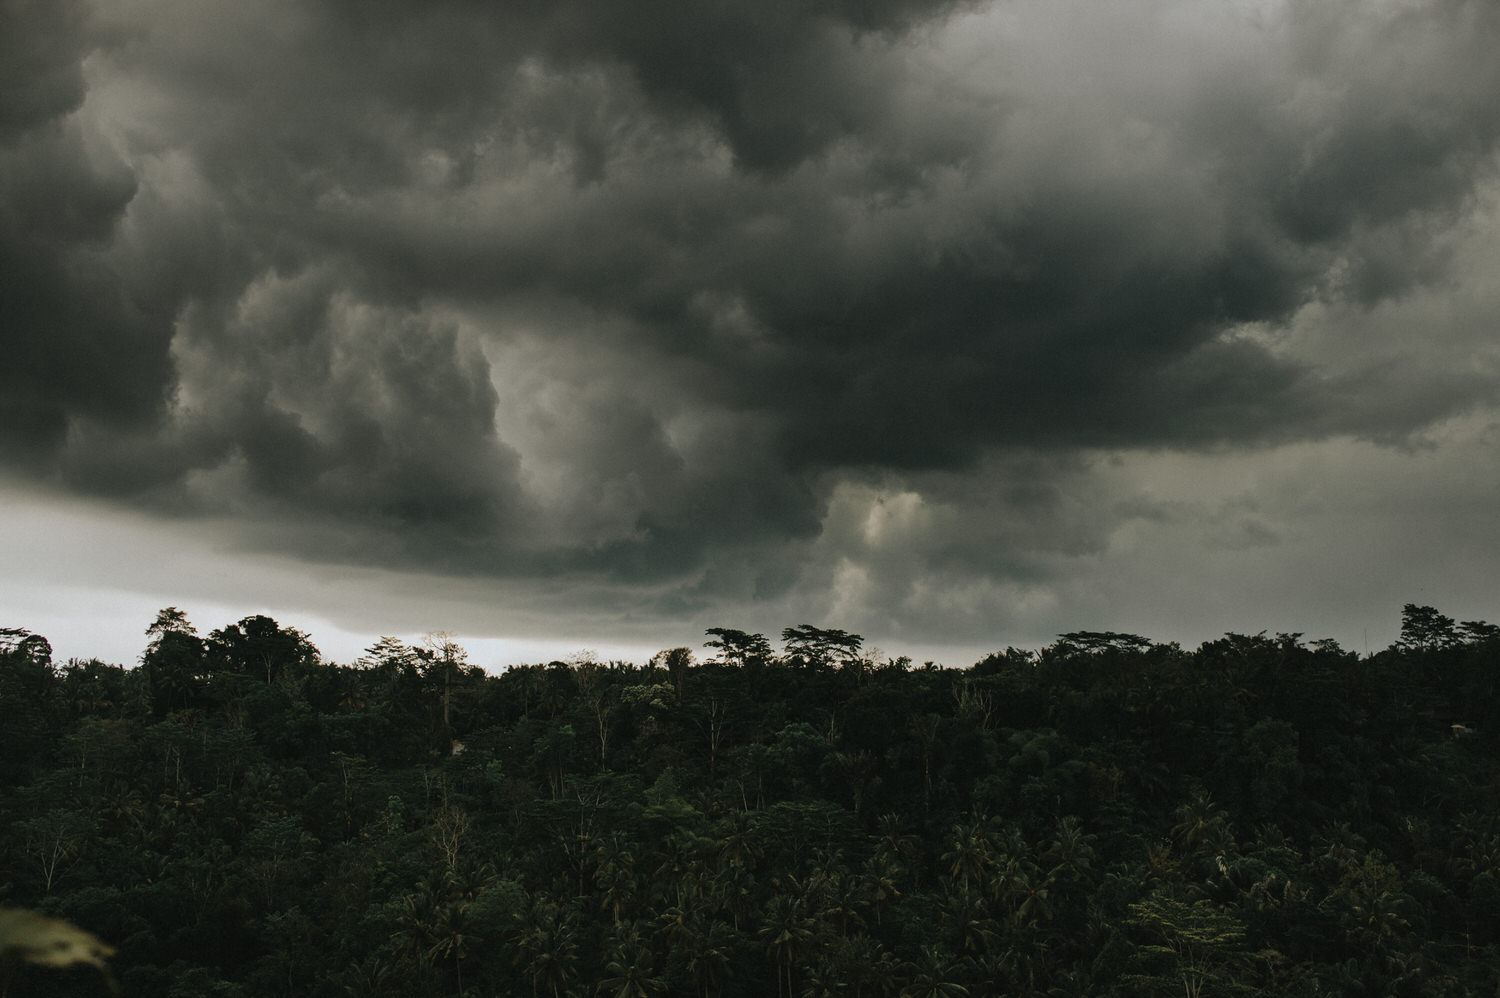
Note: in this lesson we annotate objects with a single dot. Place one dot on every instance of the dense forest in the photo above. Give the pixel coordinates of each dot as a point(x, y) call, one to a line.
point(234, 816)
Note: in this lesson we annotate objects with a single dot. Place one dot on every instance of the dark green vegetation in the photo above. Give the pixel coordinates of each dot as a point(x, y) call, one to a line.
point(1109, 816)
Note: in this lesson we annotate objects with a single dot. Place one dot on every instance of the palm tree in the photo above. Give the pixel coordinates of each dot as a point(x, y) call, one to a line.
point(857, 965)
point(964, 913)
point(121, 807)
point(629, 966)
point(1202, 827)
point(877, 888)
point(703, 940)
point(708, 954)
point(614, 873)
point(549, 948)
point(732, 889)
point(931, 978)
point(365, 979)
point(1018, 878)
point(737, 844)
point(971, 853)
point(1029, 895)
point(450, 937)
point(840, 902)
point(896, 850)
point(786, 935)
point(1071, 852)
point(417, 928)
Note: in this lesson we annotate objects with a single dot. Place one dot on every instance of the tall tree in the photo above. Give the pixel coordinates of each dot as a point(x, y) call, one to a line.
point(819, 646)
point(259, 647)
point(26, 680)
point(173, 661)
point(1194, 948)
point(448, 659)
point(1424, 629)
point(738, 647)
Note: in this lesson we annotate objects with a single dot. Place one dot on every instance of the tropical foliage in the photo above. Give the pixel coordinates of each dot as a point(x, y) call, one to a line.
point(234, 816)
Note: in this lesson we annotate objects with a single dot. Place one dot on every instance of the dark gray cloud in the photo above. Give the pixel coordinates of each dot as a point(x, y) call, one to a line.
point(72, 339)
point(41, 51)
point(675, 296)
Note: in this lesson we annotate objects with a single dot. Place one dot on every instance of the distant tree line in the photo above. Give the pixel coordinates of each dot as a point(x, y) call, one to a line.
point(1263, 815)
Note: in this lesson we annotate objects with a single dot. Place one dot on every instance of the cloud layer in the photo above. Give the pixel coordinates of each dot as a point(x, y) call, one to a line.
point(685, 308)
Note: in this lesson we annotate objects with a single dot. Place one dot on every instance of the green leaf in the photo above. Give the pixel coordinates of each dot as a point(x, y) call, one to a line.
point(49, 942)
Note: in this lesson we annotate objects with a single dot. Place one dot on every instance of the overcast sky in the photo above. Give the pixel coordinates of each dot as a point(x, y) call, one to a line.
point(563, 324)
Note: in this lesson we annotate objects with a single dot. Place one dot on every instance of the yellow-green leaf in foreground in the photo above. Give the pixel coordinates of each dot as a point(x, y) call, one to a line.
point(25, 935)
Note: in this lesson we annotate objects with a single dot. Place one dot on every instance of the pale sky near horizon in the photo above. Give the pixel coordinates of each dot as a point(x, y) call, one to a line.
point(579, 325)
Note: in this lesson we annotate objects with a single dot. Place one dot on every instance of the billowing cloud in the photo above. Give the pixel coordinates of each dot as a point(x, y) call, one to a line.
point(703, 306)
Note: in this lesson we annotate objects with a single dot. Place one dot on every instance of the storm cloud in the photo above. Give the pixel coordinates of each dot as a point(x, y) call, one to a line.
point(684, 308)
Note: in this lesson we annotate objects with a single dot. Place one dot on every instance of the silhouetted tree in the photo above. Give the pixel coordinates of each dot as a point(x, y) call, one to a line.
point(738, 647)
point(259, 647)
point(817, 646)
point(173, 662)
point(1424, 629)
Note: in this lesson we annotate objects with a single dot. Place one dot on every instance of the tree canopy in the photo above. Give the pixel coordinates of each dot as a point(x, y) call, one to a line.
point(1265, 815)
